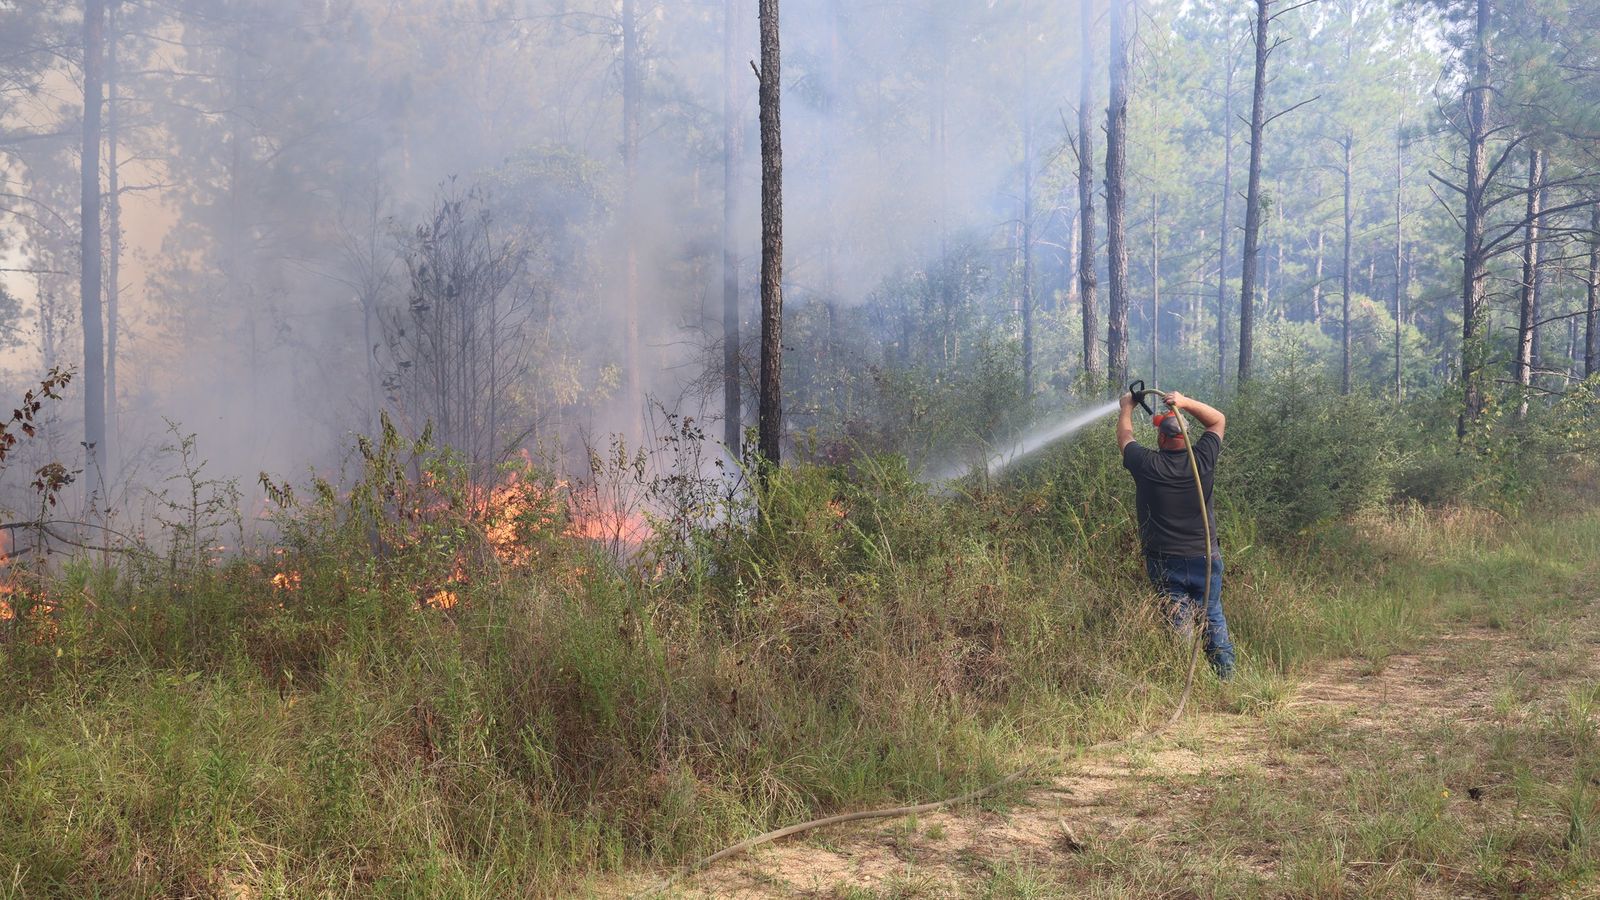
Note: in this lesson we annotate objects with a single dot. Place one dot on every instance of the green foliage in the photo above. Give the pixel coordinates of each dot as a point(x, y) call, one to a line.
point(302, 719)
point(1298, 454)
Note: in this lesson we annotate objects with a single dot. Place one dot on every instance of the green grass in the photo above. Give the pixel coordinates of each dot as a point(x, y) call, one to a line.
point(215, 736)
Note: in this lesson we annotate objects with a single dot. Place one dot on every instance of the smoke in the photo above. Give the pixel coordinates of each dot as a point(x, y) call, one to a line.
point(277, 156)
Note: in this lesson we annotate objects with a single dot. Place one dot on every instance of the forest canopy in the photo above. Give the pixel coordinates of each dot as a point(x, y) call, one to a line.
point(531, 223)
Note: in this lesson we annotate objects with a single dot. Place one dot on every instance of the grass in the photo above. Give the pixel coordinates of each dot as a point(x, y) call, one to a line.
point(869, 643)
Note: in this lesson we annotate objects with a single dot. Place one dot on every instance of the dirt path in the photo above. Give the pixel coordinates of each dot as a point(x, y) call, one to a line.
point(1445, 765)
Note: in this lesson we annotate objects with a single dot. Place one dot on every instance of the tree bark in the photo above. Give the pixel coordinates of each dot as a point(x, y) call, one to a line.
point(1527, 298)
point(733, 421)
point(94, 359)
point(1591, 321)
point(1116, 202)
point(1474, 349)
point(770, 427)
point(1087, 278)
point(1252, 202)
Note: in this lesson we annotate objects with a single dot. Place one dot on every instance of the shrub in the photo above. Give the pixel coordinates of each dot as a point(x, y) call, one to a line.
point(1299, 454)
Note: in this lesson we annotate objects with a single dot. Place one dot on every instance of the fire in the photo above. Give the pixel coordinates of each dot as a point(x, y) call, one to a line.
point(442, 599)
point(6, 587)
point(591, 521)
point(514, 510)
point(286, 581)
point(39, 613)
point(519, 507)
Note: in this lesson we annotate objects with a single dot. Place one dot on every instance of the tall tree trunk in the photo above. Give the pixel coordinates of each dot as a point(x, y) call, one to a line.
point(114, 223)
point(94, 353)
point(1344, 273)
point(1399, 259)
point(1155, 290)
point(1116, 202)
point(1527, 299)
point(1252, 202)
point(733, 420)
point(1540, 264)
point(770, 427)
point(1087, 279)
point(630, 213)
point(1474, 349)
point(1069, 266)
point(1316, 280)
point(1591, 321)
point(1027, 210)
point(1225, 232)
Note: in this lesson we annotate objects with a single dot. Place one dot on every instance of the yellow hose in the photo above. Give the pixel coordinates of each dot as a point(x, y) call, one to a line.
point(1204, 614)
point(933, 806)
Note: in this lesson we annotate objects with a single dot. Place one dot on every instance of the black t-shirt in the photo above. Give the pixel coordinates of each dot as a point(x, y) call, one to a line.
point(1169, 512)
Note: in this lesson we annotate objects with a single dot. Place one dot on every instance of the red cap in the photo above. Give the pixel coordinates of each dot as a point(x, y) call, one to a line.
point(1169, 430)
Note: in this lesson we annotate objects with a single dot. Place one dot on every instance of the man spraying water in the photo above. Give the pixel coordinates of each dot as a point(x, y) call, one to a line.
point(1173, 527)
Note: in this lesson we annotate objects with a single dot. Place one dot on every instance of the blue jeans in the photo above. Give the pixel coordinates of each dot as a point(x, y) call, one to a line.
point(1181, 581)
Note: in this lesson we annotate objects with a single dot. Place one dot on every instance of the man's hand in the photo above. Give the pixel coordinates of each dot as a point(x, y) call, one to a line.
point(1210, 417)
point(1125, 401)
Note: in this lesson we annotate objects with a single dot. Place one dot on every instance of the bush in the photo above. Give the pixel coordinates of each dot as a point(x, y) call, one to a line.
point(1299, 454)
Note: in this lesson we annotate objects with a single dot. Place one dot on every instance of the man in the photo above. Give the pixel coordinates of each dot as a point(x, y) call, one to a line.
point(1171, 526)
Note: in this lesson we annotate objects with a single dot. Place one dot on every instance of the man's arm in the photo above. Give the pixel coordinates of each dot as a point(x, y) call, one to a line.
point(1125, 422)
point(1209, 417)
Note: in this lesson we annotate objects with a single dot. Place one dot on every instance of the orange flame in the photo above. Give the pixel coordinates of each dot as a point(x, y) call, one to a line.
point(6, 587)
point(590, 519)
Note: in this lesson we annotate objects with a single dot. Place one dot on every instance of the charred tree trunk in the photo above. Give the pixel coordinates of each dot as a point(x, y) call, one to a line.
point(94, 354)
point(630, 213)
point(1252, 202)
point(1591, 321)
point(1474, 349)
point(733, 420)
point(1116, 202)
point(771, 388)
point(1087, 279)
point(1344, 273)
point(1527, 298)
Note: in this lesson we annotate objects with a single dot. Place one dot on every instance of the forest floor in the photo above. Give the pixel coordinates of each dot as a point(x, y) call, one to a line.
point(1467, 765)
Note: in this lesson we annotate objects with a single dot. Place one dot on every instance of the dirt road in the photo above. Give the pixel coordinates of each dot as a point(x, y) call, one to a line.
point(1468, 767)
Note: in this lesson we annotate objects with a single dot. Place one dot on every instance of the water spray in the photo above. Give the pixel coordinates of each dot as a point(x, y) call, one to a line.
point(1034, 441)
point(996, 462)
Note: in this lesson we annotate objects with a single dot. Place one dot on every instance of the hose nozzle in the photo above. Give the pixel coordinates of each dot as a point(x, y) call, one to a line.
point(1140, 393)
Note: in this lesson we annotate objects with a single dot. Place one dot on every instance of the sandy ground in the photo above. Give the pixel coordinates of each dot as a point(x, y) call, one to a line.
point(1150, 788)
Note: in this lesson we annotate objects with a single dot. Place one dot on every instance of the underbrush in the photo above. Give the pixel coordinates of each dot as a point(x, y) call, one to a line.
point(418, 693)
